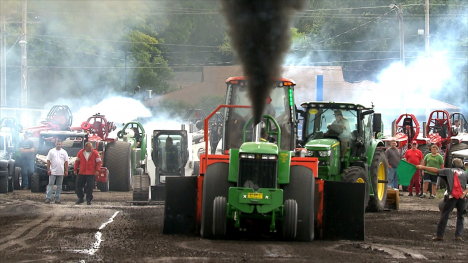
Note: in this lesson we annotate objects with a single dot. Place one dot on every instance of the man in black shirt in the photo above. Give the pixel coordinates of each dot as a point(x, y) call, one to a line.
point(26, 147)
point(451, 199)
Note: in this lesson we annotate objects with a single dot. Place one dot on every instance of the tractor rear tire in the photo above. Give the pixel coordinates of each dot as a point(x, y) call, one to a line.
point(118, 160)
point(219, 217)
point(378, 171)
point(141, 185)
point(3, 184)
point(357, 174)
point(290, 219)
point(215, 184)
point(18, 178)
point(301, 188)
point(196, 168)
point(36, 184)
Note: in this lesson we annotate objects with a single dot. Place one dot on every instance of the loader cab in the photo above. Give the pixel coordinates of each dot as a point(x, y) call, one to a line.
point(279, 105)
point(170, 153)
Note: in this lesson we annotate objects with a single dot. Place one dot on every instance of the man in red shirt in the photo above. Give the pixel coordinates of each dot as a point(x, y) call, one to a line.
point(414, 156)
point(89, 162)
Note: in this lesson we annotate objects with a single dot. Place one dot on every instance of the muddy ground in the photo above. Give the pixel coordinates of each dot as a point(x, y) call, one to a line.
point(113, 230)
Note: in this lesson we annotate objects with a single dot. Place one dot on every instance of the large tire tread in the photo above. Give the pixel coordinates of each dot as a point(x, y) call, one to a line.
point(301, 188)
point(117, 160)
point(290, 219)
point(215, 184)
point(4, 184)
point(219, 217)
point(353, 174)
point(376, 204)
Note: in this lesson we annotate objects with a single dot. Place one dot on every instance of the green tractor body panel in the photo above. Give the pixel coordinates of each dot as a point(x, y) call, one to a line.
point(138, 142)
point(259, 148)
point(247, 200)
point(325, 150)
point(284, 166)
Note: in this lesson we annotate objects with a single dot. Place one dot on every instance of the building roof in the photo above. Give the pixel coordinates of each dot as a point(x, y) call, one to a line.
point(335, 88)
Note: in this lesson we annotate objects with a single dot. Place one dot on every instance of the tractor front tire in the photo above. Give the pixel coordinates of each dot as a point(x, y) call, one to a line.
point(215, 183)
point(378, 171)
point(118, 160)
point(301, 188)
point(219, 217)
point(36, 184)
point(4, 184)
point(18, 178)
point(290, 219)
point(357, 174)
point(141, 185)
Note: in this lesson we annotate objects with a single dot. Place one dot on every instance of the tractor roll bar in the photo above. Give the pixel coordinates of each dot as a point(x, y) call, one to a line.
point(205, 124)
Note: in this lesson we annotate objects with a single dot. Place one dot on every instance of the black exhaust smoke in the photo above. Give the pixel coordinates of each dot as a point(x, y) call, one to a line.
point(259, 32)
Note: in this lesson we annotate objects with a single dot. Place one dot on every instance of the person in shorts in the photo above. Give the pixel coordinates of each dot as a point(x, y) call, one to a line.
point(435, 160)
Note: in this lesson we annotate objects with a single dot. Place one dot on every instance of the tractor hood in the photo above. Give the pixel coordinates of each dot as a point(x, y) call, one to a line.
point(259, 147)
point(321, 144)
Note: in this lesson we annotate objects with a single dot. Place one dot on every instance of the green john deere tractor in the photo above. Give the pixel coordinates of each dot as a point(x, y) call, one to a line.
point(134, 133)
point(256, 186)
point(344, 138)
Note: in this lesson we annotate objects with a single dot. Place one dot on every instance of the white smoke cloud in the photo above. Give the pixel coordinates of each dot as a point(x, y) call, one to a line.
point(116, 109)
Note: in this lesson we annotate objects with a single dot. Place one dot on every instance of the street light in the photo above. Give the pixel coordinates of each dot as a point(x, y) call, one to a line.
point(399, 9)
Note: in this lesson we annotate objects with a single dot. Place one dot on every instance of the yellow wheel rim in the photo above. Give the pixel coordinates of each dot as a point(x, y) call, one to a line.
point(381, 177)
point(360, 180)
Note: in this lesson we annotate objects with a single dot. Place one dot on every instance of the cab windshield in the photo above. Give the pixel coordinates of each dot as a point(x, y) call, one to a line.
point(277, 106)
point(326, 123)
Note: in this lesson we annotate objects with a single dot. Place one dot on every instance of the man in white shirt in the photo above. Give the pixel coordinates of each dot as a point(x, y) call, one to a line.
point(57, 168)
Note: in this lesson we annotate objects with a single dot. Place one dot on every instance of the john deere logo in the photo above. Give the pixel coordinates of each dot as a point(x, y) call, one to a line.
point(284, 157)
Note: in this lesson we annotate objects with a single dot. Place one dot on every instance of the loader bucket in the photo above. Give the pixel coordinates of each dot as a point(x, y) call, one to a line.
point(343, 212)
point(180, 210)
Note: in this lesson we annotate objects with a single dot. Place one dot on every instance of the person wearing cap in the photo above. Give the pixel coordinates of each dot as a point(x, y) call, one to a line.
point(414, 156)
point(26, 148)
point(455, 196)
point(340, 127)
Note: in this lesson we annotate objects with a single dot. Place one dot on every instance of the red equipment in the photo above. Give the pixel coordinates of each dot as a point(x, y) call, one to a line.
point(59, 118)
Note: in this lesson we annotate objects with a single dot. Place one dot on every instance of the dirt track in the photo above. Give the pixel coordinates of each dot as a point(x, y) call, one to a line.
point(113, 230)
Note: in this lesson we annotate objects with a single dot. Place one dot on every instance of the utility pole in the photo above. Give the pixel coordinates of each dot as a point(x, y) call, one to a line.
point(24, 57)
point(401, 31)
point(402, 35)
point(426, 30)
point(3, 63)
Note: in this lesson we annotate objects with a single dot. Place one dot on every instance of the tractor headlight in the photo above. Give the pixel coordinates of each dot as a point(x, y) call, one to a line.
point(268, 157)
point(310, 153)
point(247, 155)
point(324, 153)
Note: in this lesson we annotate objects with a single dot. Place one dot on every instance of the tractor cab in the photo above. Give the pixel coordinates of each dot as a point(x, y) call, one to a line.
point(170, 153)
point(459, 124)
point(439, 128)
point(279, 105)
point(98, 128)
point(405, 130)
point(60, 116)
